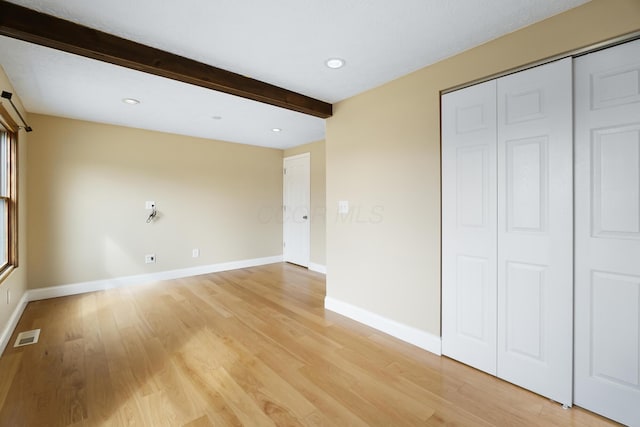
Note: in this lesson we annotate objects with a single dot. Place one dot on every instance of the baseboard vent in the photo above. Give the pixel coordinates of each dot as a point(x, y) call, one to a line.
point(27, 338)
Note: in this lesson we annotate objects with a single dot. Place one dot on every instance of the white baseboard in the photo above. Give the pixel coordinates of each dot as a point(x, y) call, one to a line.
point(13, 322)
point(403, 332)
point(318, 268)
point(100, 285)
point(398, 330)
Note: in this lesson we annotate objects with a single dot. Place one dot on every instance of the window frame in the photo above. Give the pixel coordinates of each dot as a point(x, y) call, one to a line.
point(11, 128)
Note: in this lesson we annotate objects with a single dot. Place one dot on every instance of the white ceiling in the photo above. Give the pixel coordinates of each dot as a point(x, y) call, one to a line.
point(283, 42)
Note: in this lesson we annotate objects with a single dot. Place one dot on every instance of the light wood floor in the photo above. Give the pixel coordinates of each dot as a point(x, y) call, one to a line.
point(249, 347)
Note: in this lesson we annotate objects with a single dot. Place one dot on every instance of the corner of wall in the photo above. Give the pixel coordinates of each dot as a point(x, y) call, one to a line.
point(16, 283)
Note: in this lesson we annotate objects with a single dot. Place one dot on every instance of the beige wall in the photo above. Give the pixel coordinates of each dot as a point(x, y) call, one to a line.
point(318, 198)
point(89, 183)
point(16, 283)
point(383, 156)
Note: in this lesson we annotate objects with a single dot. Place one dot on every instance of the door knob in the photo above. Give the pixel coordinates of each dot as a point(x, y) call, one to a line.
point(304, 217)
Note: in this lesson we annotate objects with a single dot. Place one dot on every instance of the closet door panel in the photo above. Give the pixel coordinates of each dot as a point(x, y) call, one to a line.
point(535, 221)
point(469, 226)
point(607, 227)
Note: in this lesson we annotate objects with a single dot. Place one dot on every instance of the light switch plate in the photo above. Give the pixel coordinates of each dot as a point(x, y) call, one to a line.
point(343, 206)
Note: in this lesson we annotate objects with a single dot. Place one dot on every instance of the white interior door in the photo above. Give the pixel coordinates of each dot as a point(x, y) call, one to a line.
point(535, 230)
point(469, 226)
point(607, 227)
point(296, 205)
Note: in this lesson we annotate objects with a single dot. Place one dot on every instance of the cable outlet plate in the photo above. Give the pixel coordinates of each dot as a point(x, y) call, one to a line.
point(149, 204)
point(149, 259)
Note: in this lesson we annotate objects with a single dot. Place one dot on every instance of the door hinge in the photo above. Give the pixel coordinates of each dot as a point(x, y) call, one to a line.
point(285, 171)
point(284, 244)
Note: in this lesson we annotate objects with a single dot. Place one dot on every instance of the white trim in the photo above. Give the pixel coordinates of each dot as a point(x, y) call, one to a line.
point(13, 322)
point(116, 282)
point(297, 156)
point(318, 268)
point(398, 330)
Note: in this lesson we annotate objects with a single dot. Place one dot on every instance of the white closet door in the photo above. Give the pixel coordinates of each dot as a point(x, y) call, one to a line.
point(469, 226)
point(607, 227)
point(535, 223)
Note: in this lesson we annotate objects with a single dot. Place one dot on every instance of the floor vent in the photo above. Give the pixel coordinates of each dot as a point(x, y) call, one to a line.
point(27, 337)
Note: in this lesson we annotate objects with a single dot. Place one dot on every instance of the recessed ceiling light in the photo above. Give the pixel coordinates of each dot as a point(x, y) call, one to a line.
point(130, 101)
point(276, 130)
point(334, 63)
point(216, 117)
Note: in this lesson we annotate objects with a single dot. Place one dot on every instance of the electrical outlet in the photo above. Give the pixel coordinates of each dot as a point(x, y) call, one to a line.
point(195, 253)
point(149, 258)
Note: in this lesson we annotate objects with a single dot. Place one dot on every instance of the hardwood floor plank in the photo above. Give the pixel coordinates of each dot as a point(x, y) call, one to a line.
point(382, 391)
point(245, 408)
point(202, 421)
point(268, 388)
point(553, 414)
point(139, 363)
point(329, 410)
point(340, 386)
point(100, 395)
point(130, 407)
point(247, 347)
point(71, 393)
point(218, 408)
point(9, 367)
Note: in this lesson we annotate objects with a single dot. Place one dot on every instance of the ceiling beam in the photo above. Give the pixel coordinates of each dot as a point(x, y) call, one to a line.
point(28, 25)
